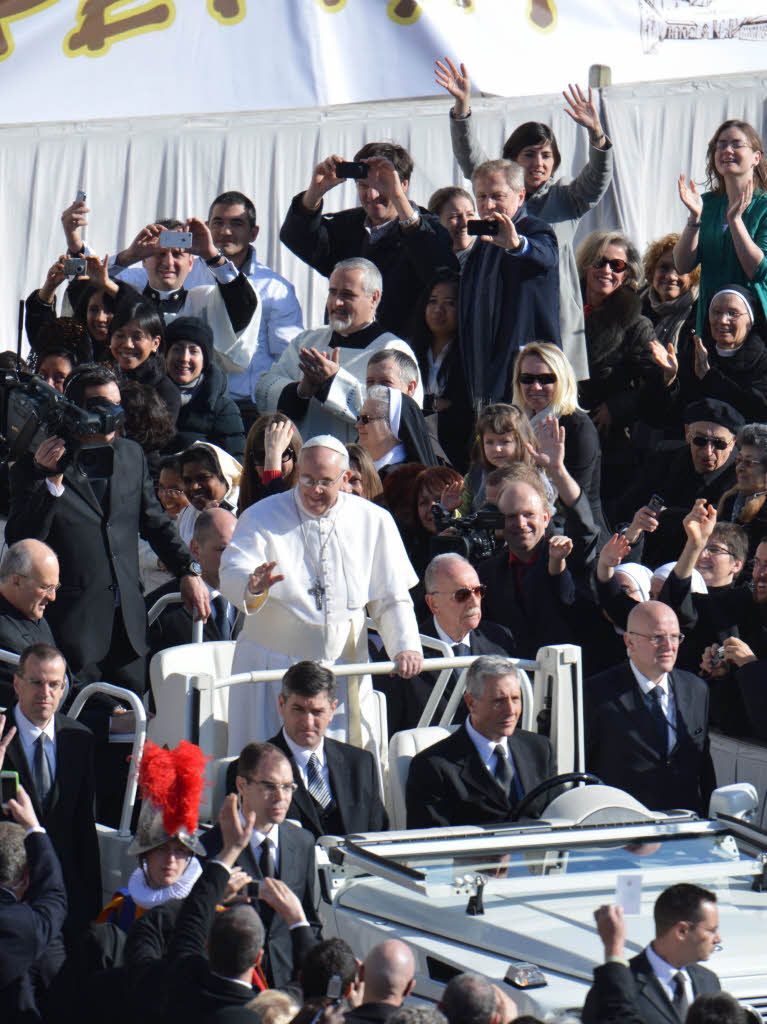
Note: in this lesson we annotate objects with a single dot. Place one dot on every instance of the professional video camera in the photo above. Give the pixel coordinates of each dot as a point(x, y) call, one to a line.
point(474, 535)
point(31, 411)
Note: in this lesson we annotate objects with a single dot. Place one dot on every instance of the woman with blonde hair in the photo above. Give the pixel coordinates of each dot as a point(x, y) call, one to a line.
point(544, 385)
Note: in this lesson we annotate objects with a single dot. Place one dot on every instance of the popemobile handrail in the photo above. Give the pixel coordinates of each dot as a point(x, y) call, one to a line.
point(139, 738)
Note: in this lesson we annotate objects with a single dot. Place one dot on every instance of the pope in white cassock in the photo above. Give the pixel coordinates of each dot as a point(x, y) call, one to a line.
point(307, 566)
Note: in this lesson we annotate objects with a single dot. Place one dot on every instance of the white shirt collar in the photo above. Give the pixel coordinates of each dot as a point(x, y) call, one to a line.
point(302, 754)
point(29, 731)
point(395, 454)
point(442, 635)
point(235, 981)
point(665, 972)
point(485, 747)
point(645, 684)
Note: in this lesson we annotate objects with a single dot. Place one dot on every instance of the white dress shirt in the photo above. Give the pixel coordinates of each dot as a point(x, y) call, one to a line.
point(666, 701)
point(486, 748)
point(664, 972)
point(257, 839)
point(302, 755)
point(442, 635)
point(28, 733)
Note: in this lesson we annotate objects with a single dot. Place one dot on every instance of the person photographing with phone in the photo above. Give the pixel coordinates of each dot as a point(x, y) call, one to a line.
point(406, 242)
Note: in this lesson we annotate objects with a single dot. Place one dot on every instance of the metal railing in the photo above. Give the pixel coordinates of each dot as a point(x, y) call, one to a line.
point(168, 599)
point(139, 738)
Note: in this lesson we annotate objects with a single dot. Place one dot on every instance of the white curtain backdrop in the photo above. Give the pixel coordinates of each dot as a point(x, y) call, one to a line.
point(137, 170)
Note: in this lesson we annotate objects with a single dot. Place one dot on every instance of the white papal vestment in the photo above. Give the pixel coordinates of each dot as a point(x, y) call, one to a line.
point(356, 553)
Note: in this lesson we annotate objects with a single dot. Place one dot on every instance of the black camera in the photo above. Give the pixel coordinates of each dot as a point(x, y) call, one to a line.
point(351, 169)
point(31, 411)
point(483, 227)
point(474, 535)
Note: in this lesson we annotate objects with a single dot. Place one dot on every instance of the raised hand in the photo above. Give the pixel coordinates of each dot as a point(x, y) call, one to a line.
point(324, 178)
point(262, 578)
point(452, 495)
point(701, 365)
point(5, 741)
point(582, 110)
point(690, 196)
point(699, 522)
point(457, 82)
point(666, 359)
point(740, 201)
point(53, 279)
point(22, 811)
point(277, 437)
point(560, 549)
point(233, 892)
point(507, 237)
point(98, 273)
point(611, 926)
point(235, 835)
point(202, 239)
point(73, 220)
point(612, 554)
point(550, 454)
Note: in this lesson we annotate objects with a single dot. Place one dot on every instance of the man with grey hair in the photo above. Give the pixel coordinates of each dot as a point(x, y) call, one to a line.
point(319, 380)
point(454, 598)
point(324, 561)
point(479, 774)
point(509, 283)
point(29, 579)
point(393, 368)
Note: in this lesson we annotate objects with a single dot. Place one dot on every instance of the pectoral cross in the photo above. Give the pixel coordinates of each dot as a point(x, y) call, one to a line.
point(317, 592)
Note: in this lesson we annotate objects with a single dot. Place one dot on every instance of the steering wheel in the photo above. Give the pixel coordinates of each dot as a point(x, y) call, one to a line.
point(547, 784)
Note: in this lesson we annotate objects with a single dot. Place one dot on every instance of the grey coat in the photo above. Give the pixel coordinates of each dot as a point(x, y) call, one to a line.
point(561, 204)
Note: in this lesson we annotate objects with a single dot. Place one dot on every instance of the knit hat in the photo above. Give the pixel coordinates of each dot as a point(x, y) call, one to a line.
point(193, 329)
point(711, 410)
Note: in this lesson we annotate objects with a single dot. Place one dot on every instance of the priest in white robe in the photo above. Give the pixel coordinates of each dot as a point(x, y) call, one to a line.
point(319, 381)
point(307, 566)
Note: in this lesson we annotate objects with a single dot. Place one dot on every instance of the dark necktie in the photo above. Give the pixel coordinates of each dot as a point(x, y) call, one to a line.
point(221, 617)
point(679, 1002)
point(266, 860)
point(503, 773)
point(43, 779)
point(461, 651)
point(317, 785)
point(659, 719)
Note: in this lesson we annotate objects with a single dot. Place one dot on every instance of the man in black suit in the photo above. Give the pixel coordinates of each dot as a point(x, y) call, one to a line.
point(337, 785)
point(53, 755)
point(93, 525)
point(646, 723)
point(658, 985)
point(33, 904)
point(404, 241)
point(388, 974)
point(479, 774)
point(195, 985)
point(213, 530)
point(276, 850)
point(29, 579)
point(531, 584)
point(454, 597)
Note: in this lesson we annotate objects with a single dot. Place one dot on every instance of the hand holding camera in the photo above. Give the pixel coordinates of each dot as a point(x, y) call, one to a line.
point(324, 178)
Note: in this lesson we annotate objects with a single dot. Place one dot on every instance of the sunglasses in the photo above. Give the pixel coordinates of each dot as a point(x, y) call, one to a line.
point(617, 266)
point(260, 457)
point(537, 378)
point(364, 419)
point(463, 594)
point(703, 441)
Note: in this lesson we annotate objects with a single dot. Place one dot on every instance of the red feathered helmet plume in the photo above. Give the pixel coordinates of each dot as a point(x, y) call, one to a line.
point(170, 783)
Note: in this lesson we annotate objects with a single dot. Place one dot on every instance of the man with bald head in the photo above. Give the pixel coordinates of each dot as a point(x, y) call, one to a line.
point(388, 974)
point(213, 530)
point(307, 567)
point(29, 579)
point(646, 722)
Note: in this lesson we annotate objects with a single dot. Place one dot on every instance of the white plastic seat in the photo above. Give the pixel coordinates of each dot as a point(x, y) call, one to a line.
point(169, 672)
point(403, 747)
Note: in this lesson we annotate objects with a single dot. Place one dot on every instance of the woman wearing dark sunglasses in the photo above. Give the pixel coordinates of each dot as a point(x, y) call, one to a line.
point(544, 385)
point(270, 462)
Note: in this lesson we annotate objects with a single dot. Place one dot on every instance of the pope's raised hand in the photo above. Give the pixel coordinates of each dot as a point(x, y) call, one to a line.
point(262, 578)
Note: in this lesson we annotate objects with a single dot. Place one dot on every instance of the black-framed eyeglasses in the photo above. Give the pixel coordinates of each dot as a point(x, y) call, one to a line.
point(617, 265)
point(704, 441)
point(717, 549)
point(537, 378)
point(463, 594)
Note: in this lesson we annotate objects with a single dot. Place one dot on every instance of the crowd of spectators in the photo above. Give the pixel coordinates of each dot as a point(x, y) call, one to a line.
point(498, 438)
